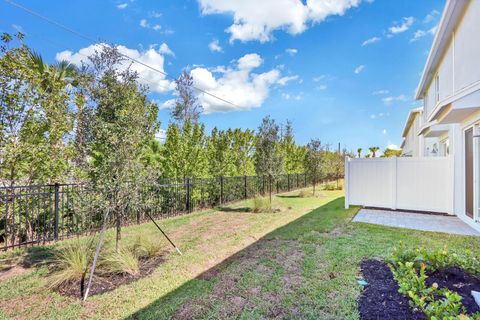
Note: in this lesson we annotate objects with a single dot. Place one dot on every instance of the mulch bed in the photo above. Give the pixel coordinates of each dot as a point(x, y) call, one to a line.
point(109, 283)
point(380, 299)
point(457, 280)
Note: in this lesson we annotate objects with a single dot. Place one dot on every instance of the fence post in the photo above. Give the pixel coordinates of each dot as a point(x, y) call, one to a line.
point(221, 190)
point(345, 182)
point(56, 213)
point(394, 182)
point(288, 182)
point(188, 194)
point(245, 184)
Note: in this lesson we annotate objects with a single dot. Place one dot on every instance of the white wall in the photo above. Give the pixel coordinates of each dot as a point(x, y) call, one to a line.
point(467, 47)
point(422, 183)
point(459, 67)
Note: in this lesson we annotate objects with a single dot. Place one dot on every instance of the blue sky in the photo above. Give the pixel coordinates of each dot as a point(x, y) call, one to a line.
point(344, 72)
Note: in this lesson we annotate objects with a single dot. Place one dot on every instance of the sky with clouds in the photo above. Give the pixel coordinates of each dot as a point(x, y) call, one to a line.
point(342, 70)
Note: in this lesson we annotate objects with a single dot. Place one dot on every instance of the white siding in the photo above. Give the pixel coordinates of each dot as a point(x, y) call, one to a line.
point(445, 73)
point(467, 47)
point(400, 183)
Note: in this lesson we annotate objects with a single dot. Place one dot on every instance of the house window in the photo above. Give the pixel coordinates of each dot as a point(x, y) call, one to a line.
point(437, 89)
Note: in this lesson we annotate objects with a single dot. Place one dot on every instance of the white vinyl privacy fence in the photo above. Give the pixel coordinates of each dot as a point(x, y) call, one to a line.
point(424, 183)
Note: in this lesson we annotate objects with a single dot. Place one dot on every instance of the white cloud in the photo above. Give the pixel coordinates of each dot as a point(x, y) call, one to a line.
point(291, 51)
point(154, 14)
point(433, 30)
point(156, 81)
point(403, 26)
point(165, 49)
point(392, 146)
point(384, 131)
point(370, 41)
point(380, 92)
point(256, 20)
point(389, 100)
point(283, 80)
point(288, 96)
point(379, 115)
point(235, 83)
point(157, 27)
point(161, 135)
point(359, 69)
point(431, 16)
point(418, 35)
point(122, 5)
point(322, 87)
point(214, 46)
point(166, 104)
point(144, 23)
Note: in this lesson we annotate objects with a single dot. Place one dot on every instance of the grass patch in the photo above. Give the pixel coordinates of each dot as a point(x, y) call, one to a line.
point(301, 262)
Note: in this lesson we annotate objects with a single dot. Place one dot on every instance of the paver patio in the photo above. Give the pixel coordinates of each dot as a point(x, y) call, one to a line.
point(416, 221)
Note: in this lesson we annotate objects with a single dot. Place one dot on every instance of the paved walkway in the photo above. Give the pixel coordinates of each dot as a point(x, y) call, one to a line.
point(416, 221)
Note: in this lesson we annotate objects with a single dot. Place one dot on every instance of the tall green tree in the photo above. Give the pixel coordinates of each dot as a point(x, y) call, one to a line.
point(243, 146)
point(35, 118)
point(269, 159)
point(391, 153)
point(314, 161)
point(187, 107)
point(125, 120)
point(184, 153)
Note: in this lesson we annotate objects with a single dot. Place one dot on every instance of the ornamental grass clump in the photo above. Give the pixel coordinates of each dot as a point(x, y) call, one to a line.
point(262, 204)
point(71, 262)
point(146, 247)
point(305, 194)
point(121, 261)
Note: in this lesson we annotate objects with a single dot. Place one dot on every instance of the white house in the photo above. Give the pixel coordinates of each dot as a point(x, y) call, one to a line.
point(450, 89)
point(447, 126)
point(415, 145)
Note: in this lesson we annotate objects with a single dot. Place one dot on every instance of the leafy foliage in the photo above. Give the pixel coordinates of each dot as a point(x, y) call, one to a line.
point(72, 262)
point(410, 268)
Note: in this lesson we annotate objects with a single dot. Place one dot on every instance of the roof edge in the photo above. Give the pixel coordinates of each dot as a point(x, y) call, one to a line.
point(450, 16)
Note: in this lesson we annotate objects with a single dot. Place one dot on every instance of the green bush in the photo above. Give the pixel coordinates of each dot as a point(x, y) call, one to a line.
point(71, 262)
point(262, 204)
point(119, 262)
point(332, 187)
point(146, 247)
point(409, 268)
point(305, 193)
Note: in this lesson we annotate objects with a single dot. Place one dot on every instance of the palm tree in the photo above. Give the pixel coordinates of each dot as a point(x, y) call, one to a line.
point(359, 151)
point(373, 151)
point(60, 71)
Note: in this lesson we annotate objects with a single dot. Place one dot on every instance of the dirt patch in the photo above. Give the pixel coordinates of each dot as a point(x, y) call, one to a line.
point(380, 299)
point(105, 284)
point(457, 280)
point(12, 272)
point(266, 271)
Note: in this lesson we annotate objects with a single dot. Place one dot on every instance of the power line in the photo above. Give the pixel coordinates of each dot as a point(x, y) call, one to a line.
point(84, 37)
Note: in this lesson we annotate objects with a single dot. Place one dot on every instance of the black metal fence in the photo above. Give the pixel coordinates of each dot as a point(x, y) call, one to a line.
point(35, 214)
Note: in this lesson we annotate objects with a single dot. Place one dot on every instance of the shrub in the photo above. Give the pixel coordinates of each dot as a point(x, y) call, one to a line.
point(146, 247)
point(261, 204)
point(71, 262)
point(332, 187)
point(305, 193)
point(119, 262)
point(409, 269)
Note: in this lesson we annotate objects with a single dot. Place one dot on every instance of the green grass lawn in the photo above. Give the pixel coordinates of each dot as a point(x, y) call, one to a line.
point(301, 262)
